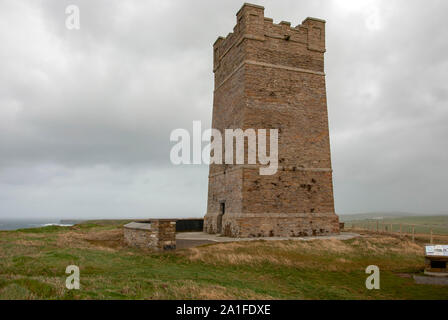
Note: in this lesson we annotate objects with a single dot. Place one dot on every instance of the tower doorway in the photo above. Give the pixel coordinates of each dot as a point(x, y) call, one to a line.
point(222, 211)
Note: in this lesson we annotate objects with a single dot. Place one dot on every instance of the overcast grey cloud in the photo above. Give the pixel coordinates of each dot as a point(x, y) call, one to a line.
point(85, 116)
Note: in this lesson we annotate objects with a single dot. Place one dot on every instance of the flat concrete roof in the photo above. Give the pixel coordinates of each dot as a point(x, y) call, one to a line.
point(138, 225)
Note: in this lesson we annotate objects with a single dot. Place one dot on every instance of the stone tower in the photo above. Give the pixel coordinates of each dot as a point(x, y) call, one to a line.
point(271, 76)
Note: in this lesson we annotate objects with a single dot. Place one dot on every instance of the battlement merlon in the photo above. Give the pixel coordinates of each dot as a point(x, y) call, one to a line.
point(316, 33)
point(252, 24)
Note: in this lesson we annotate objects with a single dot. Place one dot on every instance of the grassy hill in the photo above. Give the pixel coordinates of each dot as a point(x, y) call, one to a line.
point(439, 224)
point(33, 262)
point(376, 215)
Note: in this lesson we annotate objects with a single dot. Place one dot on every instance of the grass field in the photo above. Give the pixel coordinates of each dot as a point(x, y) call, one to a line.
point(33, 263)
point(423, 224)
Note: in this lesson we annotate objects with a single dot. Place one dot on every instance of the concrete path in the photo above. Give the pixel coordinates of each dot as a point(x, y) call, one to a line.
point(185, 243)
point(201, 236)
point(431, 280)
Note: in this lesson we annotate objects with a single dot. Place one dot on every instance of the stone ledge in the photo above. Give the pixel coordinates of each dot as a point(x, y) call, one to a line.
point(268, 65)
point(156, 234)
point(280, 168)
point(314, 19)
point(280, 215)
point(138, 226)
point(246, 4)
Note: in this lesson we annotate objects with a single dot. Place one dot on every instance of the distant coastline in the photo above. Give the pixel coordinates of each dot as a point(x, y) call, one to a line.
point(71, 221)
point(15, 224)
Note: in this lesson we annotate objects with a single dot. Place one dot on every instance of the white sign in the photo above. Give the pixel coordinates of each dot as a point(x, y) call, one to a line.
point(437, 250)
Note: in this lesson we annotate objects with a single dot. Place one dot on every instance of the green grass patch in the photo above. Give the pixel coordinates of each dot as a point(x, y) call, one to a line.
point(324, 269)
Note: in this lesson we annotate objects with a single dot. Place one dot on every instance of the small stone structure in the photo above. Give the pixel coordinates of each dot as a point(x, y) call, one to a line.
point(436, 260)
point(157, 234)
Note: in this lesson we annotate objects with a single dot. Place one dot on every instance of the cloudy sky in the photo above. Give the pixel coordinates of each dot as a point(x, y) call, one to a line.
point(85, 115)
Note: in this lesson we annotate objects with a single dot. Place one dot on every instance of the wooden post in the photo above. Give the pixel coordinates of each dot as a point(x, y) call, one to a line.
point(377, 226)
point(413, 233)
point(431, 236)
point(391, 228)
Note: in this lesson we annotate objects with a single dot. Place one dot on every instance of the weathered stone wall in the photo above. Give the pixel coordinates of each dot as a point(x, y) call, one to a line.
point(272, 76)
point(157, 234)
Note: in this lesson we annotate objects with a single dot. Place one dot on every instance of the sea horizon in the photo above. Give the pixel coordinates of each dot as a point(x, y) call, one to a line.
point(27, 223)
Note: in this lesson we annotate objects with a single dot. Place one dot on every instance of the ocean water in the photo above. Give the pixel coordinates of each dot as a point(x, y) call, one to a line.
point(14, 224)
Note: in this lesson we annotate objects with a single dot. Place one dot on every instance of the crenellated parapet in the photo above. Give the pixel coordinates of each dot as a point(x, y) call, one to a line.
point(253, 26)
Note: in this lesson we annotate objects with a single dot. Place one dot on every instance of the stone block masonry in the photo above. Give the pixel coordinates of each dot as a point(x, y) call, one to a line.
point(271, 76)
point(157, 234)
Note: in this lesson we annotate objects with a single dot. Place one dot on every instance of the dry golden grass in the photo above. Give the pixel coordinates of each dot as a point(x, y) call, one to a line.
point(386, 244)
point(328, 254)
point(327, 245)
point(25, 242)
point(108, 240)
